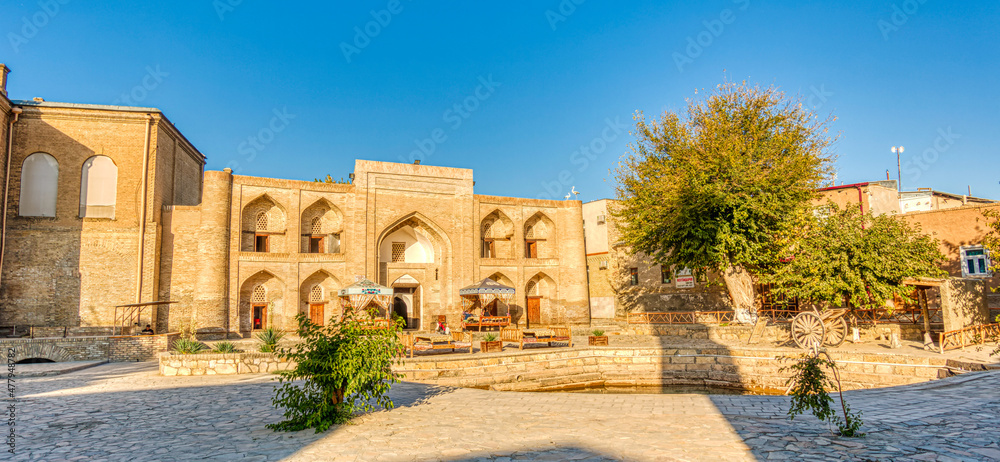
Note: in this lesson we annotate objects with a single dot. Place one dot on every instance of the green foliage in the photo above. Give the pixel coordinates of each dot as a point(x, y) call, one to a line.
point(992, 239)
point(809, 383)
point(860, 258)
point(490, 337)
point(225, 347)
point(269, 339)
point(329, 180)
point(597, 332)
point(346, 368)
point(724, 185)
point(186, 346)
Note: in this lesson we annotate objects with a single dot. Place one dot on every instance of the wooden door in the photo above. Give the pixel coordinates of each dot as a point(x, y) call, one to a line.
point(316, 313)
point(534, 308)
point(259, 319)
point(531, 249)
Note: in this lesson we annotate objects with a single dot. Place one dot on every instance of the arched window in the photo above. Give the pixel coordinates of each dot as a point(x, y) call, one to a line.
point(98, 188)
point(39, 186)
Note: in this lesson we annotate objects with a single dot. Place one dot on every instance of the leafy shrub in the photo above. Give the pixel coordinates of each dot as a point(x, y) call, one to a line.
point(491, 337)
point(808, 391)
point(186, 346)
point(597, 333)
point(225, 347)
point(346, 367)
point(269, 339)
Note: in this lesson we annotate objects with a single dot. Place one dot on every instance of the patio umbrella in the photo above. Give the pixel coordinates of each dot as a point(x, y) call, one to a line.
point(486, 291)
point(363, 292)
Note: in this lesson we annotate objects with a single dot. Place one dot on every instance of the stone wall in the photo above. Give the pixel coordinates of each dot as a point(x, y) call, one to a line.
point(172, 364)
point(774, 333)
point(140, 347)
point(577, 367)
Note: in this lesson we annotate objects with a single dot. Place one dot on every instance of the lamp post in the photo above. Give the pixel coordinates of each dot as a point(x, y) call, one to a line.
point(899, 171)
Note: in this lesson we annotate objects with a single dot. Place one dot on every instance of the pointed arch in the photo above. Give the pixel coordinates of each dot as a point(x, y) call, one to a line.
point(261, 302)
point(321, 225)
point(539, 236)
point(539, 293)
point(318, 296)
point(495, 232)
point(423, 241)
point(263, 224)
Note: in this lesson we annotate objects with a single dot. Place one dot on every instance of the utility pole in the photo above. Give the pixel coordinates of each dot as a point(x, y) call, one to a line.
point(899, 170)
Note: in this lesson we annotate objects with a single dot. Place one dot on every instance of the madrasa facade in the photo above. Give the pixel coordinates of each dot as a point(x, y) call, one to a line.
point(106, 206)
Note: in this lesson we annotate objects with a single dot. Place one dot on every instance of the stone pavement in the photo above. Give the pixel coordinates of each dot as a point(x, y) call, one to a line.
point(125, 411)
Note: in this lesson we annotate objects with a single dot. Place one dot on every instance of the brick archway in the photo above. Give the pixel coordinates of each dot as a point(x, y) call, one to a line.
point(40, 350)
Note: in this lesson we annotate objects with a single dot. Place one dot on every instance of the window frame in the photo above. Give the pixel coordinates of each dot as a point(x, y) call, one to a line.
point(54, 186)
point(633, 276)
point(982, 256)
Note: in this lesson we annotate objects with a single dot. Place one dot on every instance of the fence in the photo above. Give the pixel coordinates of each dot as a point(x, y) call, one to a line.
point(973, 335)
point(901, 316)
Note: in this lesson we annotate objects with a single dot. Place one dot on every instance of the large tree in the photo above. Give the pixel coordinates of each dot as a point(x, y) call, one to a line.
point(846, 256)
point(722, 186)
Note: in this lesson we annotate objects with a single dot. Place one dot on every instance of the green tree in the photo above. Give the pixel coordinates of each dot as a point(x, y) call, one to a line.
point(992, 239)
point(346, 367)
point(723, 187)
point(329, 180)
point(846, 256)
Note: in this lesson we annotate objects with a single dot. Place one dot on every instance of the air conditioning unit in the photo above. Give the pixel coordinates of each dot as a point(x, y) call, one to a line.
point(600, 219)
point(603, 265)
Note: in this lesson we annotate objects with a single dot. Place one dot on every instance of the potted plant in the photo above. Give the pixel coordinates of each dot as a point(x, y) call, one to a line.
point(490, 344)
point(598, 339)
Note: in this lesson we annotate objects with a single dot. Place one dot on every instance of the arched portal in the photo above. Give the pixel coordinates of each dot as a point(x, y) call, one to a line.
point(263, 224)
point(415, 246)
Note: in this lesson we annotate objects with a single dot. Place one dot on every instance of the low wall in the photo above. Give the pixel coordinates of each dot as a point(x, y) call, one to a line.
point(775, 333)
point(140, 347)
point(114, 349)
point(172, 364)
point(566, 368)
point(59, 349)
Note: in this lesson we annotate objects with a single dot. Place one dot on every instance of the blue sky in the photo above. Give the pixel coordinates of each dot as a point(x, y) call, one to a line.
point(514, 91)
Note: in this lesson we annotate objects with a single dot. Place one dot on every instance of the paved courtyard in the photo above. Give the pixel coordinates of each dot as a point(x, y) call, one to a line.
point(127, 412)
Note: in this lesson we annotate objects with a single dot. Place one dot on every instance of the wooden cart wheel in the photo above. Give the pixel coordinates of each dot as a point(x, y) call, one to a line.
point(836, 332)
point(807, 330)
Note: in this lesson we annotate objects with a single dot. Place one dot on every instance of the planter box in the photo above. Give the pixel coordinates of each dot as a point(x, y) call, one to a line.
point(597, 341)
point(491, 347)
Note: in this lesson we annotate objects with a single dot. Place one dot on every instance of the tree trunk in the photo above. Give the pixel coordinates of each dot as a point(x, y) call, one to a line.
point(740, 285)
point(922, 299)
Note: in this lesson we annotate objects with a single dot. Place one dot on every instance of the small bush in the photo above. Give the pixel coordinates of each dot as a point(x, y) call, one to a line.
point(809, 383)
point(269, 339)
point(225, 347)
point(597, 333)
point(186, 346)
point(490, 338)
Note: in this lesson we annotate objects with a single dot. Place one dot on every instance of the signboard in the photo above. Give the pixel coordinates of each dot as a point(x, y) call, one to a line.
point(685, 279)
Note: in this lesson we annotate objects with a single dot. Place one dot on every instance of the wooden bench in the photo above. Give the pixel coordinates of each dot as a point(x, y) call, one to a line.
point(431, 342)
point(530, 336)
point(488, 321)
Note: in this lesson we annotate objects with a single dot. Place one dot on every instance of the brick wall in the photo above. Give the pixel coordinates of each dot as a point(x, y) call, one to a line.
point(140, 347)
point(60, 349)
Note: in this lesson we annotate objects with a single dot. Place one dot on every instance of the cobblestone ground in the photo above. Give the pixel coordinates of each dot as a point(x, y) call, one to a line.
point(127, 412)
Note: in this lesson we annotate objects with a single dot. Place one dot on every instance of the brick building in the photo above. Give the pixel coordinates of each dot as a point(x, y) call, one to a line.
point(110, 205)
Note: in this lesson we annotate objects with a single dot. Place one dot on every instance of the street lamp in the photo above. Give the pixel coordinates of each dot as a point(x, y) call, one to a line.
point(899, 172)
